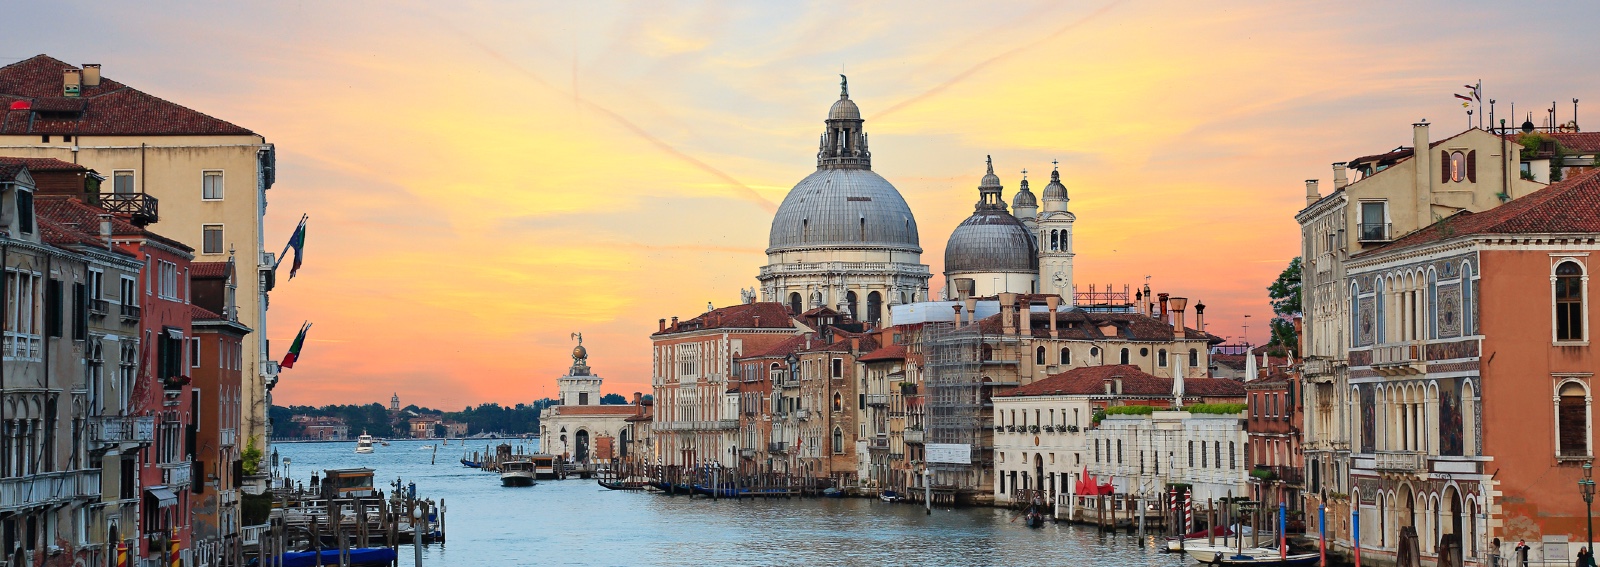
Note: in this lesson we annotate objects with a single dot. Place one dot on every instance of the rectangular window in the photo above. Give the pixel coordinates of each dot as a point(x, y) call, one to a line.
point(212, 241)
point(96, 284)
point(130, 291)
point(838, 368)
point(194, 352)
point(80, 312)
point(1374, 223)
point(211, 185)
point(25, 211)
point(122, 182)
point(52, 308)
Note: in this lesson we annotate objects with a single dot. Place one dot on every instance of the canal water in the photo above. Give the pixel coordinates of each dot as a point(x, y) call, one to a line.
point(576, 522)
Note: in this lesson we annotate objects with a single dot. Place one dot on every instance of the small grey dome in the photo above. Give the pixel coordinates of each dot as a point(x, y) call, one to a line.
point(1055, 191)
point(843, 208)
point(845, 109)
point(1024, 198)
point(990, 241)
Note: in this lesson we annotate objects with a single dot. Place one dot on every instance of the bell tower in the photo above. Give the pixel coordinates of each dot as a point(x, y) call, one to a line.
point(1055, 240)
point(579, 387)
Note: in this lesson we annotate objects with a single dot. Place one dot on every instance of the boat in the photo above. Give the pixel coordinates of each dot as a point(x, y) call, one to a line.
point(623, 485)
point(1259, 556)
point(832, 492)
point(471, 464)
point(347, 483)
point(544, 466)
point(359, 557)
point(1176, 544)
point(890, 496)
point(1034, 519)
point(516, 473)
point(364, 444)
point(1230, 550)
point(384, 442)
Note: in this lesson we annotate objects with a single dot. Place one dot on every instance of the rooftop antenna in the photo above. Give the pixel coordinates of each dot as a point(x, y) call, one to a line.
point(1245, 337)
point(1575, 116)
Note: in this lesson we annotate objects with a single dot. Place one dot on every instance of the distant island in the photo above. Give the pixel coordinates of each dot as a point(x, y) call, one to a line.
point(339, 422)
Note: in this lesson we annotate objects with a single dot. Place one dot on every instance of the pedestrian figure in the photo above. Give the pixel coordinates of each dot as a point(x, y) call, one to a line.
point(1494, 553)
point(1522, 552)
point(1585, 559)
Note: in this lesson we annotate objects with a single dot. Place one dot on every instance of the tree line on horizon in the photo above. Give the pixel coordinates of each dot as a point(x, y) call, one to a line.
point(375, 418)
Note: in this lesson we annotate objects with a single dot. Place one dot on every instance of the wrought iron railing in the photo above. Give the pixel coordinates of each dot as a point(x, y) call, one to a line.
point(123, 429)
point(141, 208)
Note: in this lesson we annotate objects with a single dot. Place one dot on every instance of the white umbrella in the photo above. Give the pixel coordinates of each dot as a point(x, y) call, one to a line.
point(1249, 366)
point(1177, 384)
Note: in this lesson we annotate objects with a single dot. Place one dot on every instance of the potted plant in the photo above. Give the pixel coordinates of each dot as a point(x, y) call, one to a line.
point(1033, 429)
point(1072, 428)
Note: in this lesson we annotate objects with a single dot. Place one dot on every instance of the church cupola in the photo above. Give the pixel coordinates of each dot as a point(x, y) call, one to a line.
point(989, 190)
point(1055, 194)
point(844, 144)
point(1024, 205)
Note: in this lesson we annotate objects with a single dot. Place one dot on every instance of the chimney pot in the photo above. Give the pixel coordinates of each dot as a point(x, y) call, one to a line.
point(1026, 316)
point(1340, 178)
point(105, 229)
point(1051, 302)
point(1312, 196)
point(71, 82)
point(663, 325)
point(91, 74)
point(972, 308)
point(1162, 298)
point(1200, 317)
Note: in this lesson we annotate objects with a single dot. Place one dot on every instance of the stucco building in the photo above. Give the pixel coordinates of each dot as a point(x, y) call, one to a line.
point(580, 428)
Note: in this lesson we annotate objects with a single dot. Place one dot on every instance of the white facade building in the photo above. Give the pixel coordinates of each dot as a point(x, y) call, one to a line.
point(1142, 454)
point(581, 429)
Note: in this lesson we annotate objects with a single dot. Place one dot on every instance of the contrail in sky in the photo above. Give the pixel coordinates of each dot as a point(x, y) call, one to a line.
point(986, 62)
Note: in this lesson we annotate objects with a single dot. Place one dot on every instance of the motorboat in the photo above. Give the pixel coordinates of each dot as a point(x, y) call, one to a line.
point(623, 484)
point(1260, 556)
point(516, 473)
point(364, 444)
point(544, 466)
point(359, 557)
point(890, 496)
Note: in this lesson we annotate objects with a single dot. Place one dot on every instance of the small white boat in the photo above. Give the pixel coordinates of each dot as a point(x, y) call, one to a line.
point(364, 444)
point(516, 473)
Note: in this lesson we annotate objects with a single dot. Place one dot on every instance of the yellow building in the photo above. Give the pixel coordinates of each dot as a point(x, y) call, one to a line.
point(197, 179)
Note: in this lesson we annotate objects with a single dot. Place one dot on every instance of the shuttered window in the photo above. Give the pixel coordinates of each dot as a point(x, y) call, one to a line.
point(52, 308)
point(1574, 421)
point(1569, 302)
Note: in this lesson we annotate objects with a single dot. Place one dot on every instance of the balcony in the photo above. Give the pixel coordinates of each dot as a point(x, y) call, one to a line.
point(747, 452)
point(122, 429)
point(141, 208)
point(22, 347)
point(878, 443)
point(99, 307)
point(777, 447)
point(48, 488)
point(878, 400)
point(713, 425)
point(130, 313)
point(802, 415)
point(912, 435)
point(1400, 461)
point(1374, 232)
point(1392, 360)
point(1318, 367)
point(228, 437)
point(176, 474)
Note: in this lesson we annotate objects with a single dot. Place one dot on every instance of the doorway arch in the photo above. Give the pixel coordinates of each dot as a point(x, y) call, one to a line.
point(581, 440)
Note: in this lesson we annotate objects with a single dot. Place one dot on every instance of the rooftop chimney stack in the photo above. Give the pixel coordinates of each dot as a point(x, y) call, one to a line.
point(71, 82)
point(1200, 317)
point(1007, 306)
point(1340, 179)
point(1052, 302)
point(1162, 297)
point(91, 74)
point(1178, 305)
point(972, 308)
point(663, 325)
point(1425, 172)
point(105, 229)
point(1025, 317)
point(1312, 196)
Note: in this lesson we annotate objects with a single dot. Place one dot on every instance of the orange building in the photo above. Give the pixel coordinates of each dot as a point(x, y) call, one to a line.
point(1471, 368)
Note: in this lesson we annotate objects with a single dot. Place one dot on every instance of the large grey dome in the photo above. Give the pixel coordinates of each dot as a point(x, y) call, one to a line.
point(990, 241)
point(843, 208)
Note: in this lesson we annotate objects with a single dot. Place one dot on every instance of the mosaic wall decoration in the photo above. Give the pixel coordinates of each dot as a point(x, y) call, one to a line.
point(1450, 429)
point(1369, 421)
point(1366, 333)
point(1449, 311)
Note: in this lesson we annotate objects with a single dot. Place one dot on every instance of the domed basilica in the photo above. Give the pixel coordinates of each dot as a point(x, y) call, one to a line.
point(845, 239)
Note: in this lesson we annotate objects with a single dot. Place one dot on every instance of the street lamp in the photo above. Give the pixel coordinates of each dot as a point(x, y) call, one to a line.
point(1586, 485)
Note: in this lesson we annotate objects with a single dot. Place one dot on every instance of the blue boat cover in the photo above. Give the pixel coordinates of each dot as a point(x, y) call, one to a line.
point(358, 556)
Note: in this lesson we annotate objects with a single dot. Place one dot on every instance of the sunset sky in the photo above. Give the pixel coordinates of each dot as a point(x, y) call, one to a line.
point(486, 178)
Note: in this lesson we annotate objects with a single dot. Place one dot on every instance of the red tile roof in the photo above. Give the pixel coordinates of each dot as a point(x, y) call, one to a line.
point(597, 410)
point(1085, 325)
point(1568, 207)
point(1090, 381)
point(208, 269)
point(72, 212)
point(891, 352)
point(1579, 142)
point(44, 164)
point(110, 108)
point(743, 316)
point(790, 345)
point(199, 313)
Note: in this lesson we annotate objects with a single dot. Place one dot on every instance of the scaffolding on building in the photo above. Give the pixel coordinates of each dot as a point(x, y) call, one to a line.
point(954, 404)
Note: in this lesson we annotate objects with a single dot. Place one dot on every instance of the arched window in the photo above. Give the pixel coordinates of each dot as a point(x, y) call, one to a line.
point(1467, 307)
point(1433, 305)
point(874, 307)
point(794, 303)
point(1355, 316)
point(1572, 416)
point(1161, 358)
point(838, 441)
point(1055, 240)
point(1124, 356)
point(1094, 351)
point(1038, 356)
point(1569, 302)
point(1378, 321)
point(1066, 357)
point(988, 353)
point(850, 305)
point(1458, 166)
point(1194, 357)
point(838, 402)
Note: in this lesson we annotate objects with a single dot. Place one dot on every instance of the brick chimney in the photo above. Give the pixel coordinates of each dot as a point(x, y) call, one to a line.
point(1052, 302)
point(972, 308)
point(1026, 317)
point(674, 320)
point(1425, 172)
point(1007, 307)
point(1340, 179)
point(1200, 317)
point(1312, 196)
point(663, 326)
point(1163, 299)
point(91, 74)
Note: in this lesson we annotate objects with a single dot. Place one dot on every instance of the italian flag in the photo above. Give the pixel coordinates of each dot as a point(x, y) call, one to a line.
point(294, 349)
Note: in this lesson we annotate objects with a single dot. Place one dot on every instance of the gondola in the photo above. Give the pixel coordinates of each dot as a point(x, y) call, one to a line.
point(623, 485)
point(359, 557)
point(471, 464)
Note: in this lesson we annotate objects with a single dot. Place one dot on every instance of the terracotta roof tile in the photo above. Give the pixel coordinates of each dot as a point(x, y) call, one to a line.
point(44, 164)
point(208, 269)
point(743, 316)
point(110, 108)
point(1580, 142)
point(73, 212)
point(790, 345)
point(891, 352)
point(1090, 381)
point(1567, 207)
point(199, 313)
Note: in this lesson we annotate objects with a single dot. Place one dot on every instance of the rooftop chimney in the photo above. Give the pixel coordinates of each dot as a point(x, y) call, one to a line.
point(105, 229)
point(674, 320)
point(1007, 301)
point(1178, 305)
point(972, 308)
point(663, 325)
point(91, 74)
point(1339, 178)
point(1312, 196)
point(1162, 297)
point(1200, 317)
point(72, 82)
point(1425, 172)
point(1026, 317)
point(1051, 302)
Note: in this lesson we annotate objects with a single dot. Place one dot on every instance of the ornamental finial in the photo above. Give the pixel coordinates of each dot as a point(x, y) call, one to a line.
point(990, 161)
point(844, 86)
